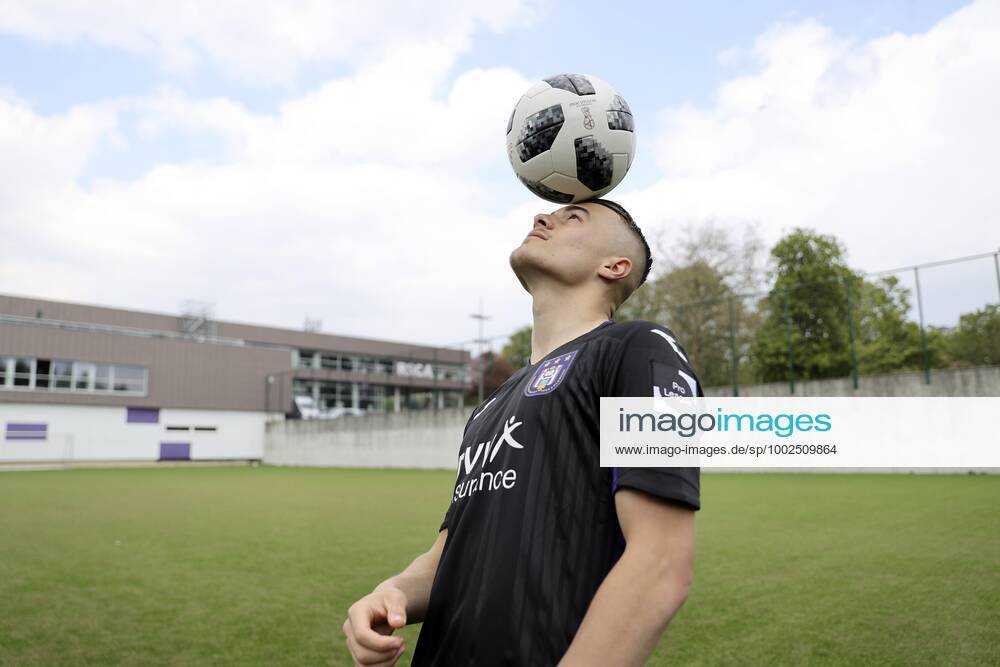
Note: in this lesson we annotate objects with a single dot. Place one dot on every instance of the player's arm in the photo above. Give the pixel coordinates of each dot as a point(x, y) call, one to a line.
point(398, 600)
point(644, 589)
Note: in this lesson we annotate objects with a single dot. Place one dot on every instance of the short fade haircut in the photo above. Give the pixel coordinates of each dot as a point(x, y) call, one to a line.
point(636, 232)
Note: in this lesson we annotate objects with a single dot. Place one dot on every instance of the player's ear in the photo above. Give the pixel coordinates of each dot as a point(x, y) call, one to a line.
point(615, 268)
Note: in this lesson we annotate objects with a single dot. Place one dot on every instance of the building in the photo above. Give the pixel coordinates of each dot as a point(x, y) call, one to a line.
point(93, 383)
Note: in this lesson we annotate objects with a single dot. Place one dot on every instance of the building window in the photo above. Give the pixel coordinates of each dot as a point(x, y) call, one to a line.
point(23, 369)
point(83, 376)
point(335, 395)
point(419, 400)
point(42, 370)
point(371, 397)
point(62, 374)
point(30, 374)
point(102, 377)
point(130, 379)
point(305, 359)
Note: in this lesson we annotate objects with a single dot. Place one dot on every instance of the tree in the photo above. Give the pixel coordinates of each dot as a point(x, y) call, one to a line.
point(695, 295)
point(804, 331)
point(818, 305)
point(976, 340)
point(885, 339)
point(517, 351)
point(693, 301)
point(495, 371)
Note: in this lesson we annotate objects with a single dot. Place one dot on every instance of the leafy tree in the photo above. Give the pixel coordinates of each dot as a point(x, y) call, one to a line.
point(517, 351)
point(495, 370)
point(693, 301)
point(885, 339)
point(695, 295)
point(976, 340)
point(818, 304)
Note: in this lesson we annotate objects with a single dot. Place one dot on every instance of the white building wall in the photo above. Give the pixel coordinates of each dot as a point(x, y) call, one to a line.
point(97, 433)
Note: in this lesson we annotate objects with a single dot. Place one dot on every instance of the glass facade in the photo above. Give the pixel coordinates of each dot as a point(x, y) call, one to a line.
point(31, 374)
point(372, 365)
point(329, 396)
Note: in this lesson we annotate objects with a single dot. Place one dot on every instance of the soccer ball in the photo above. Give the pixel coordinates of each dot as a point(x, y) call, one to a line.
point(571, 137)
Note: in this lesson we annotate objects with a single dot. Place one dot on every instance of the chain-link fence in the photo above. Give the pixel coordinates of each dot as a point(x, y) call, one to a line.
point(917, 318)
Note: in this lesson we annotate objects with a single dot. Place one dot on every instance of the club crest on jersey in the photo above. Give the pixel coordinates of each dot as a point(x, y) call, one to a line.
point(548, 376)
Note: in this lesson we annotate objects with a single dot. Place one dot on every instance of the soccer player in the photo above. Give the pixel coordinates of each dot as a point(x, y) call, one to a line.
point(543, 556)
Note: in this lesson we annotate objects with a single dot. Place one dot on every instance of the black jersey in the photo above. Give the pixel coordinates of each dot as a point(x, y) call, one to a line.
point(532, 527)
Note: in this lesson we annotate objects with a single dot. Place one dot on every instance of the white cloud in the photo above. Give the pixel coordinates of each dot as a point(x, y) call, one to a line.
point(892, 144)
point(362, 203)
point(263, 42)
point(382, 203)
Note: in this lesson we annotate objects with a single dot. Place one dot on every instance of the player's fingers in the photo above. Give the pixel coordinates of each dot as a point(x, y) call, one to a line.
point(395, 607)
point(392, 661)
point(368, 657)
point(351, 648)
point(361, 617)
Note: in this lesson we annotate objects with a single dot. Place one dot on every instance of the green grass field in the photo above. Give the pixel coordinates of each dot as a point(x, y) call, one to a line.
point(256, 566)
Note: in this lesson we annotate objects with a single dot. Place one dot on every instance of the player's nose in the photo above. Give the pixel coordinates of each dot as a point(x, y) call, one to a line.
point(543, 220)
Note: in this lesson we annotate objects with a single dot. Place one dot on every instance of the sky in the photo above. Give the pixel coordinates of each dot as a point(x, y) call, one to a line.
point(345, 161)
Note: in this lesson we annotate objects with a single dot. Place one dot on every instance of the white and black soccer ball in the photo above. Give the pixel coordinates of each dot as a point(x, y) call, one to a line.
point(571, 137)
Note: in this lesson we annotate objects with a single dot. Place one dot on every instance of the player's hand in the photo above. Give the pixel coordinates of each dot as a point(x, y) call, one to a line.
point(370, 624)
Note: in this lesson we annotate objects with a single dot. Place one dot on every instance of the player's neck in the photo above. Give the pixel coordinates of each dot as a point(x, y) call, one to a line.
point(560, 316)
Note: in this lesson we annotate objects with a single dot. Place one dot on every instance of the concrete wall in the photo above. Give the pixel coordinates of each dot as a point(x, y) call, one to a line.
point(432, 439)
point(97, 433)
point(979, 381)
point(415, 439)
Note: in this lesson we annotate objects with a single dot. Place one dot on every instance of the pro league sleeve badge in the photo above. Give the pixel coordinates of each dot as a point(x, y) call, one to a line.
point(671, 381)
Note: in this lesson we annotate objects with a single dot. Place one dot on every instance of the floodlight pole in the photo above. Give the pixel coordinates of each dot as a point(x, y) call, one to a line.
point(480, 341)
point(923, 332)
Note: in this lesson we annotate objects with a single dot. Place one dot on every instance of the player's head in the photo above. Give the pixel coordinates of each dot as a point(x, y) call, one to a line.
point(594, 244)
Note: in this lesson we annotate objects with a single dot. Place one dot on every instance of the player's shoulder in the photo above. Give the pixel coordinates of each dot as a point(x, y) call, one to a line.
point(648, 339)
point(638, 331)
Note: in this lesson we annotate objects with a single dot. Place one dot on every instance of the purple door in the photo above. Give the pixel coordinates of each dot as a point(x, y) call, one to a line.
point(175, 451)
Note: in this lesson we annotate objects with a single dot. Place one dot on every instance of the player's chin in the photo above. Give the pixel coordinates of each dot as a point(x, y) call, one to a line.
point(524, 255)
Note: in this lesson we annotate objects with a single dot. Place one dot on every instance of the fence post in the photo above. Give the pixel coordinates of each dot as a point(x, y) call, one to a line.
point(996, 265)
point(732, 346)
point(788, 338)
point(850, 335)
point(923, 333)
